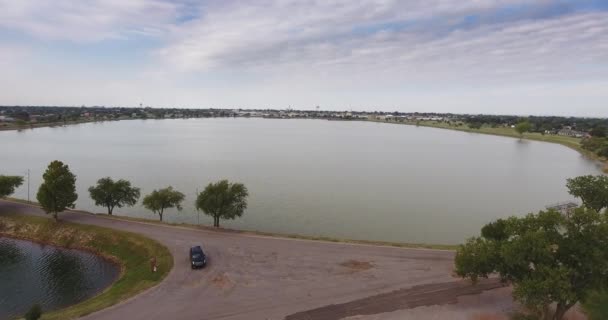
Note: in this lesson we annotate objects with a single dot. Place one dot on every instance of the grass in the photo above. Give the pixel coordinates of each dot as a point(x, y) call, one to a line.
point(596, 305)
point(570, 142)
point(131, 251)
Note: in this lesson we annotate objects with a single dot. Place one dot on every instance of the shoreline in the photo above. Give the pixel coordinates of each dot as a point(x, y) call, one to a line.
point(569, 142)
point(422, 246)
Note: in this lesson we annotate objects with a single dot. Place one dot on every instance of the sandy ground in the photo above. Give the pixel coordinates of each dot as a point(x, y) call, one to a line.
point(256, 277)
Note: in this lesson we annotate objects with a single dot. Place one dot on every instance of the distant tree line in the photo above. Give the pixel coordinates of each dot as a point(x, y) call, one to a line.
point(598, 142)
point(539, 123)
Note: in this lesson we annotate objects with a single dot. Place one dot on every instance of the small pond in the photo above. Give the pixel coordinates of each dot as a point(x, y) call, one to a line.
point(53, 277)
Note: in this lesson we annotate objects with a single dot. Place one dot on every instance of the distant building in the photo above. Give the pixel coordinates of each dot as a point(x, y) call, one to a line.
point(565, 208)
point(569, 132)
point(6, 119)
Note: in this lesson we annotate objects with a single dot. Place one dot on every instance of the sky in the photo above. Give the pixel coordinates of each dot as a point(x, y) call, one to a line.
point(520, 57)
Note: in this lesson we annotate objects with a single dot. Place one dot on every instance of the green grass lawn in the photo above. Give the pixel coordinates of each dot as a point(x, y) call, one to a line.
point(132, 251)
point(596, 305)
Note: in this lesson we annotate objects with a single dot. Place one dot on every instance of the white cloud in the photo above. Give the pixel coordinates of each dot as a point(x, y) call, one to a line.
point(88, 20)
point(291, 37)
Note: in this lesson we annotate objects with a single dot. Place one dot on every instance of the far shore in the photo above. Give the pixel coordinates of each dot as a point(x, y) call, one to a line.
point(570, 142)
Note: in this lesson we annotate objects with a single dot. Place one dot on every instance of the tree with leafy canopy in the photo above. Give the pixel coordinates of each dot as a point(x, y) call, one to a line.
point(592, 190)
point(162, 199)
point(523, 127)
point(111, 194)
point(58, 191)
point(475, 125)
point(8, 184)
point(598, 131)
point(223, 200)
point(549, 259)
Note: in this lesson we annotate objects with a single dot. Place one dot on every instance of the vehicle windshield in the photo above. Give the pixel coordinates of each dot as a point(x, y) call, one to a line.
point(197, 256)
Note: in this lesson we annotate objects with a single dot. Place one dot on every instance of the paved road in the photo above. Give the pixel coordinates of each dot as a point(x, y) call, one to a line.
point(256, 277)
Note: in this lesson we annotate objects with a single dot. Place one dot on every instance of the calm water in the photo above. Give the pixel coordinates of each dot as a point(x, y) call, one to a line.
point(315, 177)
point(52, 277)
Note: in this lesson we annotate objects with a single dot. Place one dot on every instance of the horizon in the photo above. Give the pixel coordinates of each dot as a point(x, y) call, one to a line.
point(502, 57)
point(337, 110)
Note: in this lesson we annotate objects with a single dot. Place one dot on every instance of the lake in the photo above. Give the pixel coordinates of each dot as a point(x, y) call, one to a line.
point(50, 276)
point(357, 180)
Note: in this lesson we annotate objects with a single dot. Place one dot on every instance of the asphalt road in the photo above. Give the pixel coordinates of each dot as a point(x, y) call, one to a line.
point(257, 277)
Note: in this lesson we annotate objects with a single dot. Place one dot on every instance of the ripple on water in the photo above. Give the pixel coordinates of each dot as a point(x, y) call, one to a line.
point(53, 277)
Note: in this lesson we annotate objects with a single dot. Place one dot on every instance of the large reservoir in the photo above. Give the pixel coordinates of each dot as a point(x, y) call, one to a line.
point(356, 180)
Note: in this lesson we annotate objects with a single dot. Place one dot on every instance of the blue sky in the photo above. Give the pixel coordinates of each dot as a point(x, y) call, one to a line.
point(490, 56)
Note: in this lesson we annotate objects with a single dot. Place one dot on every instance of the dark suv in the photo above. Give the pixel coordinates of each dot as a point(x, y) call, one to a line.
point(197, 257)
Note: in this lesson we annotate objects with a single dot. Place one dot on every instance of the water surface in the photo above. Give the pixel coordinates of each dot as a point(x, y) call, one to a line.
point(53, 277)
point(356, 180)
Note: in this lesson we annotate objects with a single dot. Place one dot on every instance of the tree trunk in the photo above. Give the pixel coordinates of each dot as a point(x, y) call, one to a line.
point(110, 209)
point(55, 216)
point(560, 310)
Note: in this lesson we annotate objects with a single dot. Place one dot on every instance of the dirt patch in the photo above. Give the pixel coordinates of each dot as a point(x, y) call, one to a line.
point(356, 265)
point(222, 281)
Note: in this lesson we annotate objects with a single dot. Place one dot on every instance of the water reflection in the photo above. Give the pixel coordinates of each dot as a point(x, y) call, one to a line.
point(9, 254)
point(64, 276)
point(52, 277)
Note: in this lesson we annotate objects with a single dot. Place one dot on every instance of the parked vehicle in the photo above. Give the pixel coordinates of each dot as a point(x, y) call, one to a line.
point(198, 259)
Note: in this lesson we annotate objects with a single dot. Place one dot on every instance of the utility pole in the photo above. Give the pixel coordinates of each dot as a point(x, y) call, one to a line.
point(198, 213)
point(28, 185)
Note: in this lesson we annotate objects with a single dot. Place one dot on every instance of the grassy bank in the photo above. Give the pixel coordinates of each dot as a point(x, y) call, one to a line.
point(14, 126)
point(570, 142)
point(133, 252)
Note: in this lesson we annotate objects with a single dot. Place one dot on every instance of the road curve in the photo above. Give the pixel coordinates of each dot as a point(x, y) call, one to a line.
point(257, 277)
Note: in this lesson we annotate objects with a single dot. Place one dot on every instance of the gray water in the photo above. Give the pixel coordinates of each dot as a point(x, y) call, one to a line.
point(52, 277)
point(357, 180)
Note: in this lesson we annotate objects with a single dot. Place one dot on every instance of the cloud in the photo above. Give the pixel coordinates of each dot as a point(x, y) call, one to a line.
point(395, 40)
point(89, 20)
point(376, 53)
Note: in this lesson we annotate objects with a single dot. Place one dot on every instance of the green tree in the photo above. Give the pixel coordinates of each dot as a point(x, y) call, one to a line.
point(592, 190)
point(523, 127)
point(8, 184)
point(599, 131)
point(548, 258)
point(475, 125)
point(58, 191)
point(223, 200)
point(34, 313)
point(162, 199)
point(111, 194)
